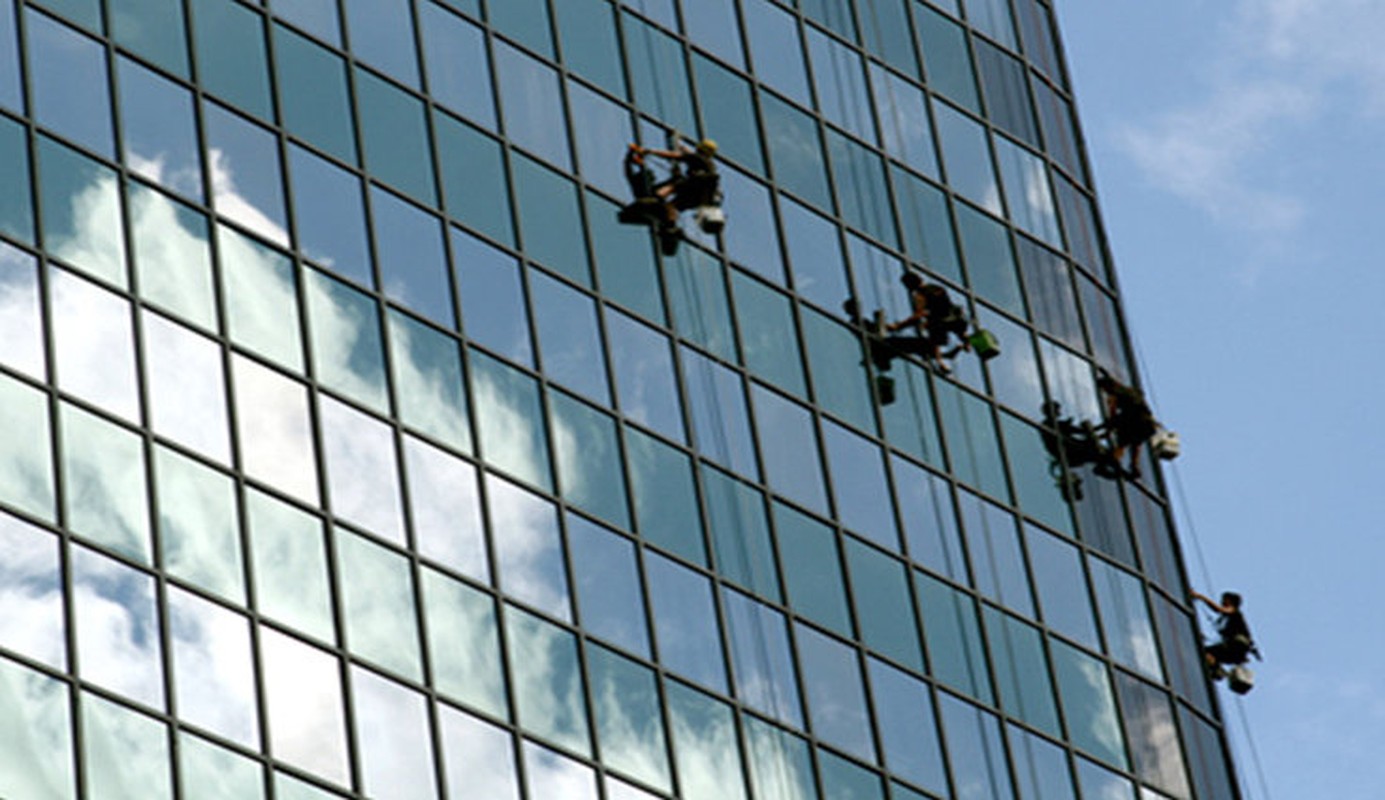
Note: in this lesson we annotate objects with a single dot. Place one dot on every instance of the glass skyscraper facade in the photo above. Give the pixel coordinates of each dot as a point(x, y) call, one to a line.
point(349, 447)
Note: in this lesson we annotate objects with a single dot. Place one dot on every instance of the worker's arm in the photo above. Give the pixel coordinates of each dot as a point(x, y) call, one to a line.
point(920, 313)
point(1212, 604)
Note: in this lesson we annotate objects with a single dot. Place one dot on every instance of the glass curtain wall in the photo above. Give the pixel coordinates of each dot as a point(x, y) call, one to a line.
point(351, 448)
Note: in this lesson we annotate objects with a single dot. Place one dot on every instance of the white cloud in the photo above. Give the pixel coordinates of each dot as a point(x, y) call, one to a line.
point(1282, 69)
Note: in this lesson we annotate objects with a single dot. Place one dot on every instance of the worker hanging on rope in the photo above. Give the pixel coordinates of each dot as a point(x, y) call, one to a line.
point(934, 320)
point(1130, 424)
point(692, 185)
point(1227, 657)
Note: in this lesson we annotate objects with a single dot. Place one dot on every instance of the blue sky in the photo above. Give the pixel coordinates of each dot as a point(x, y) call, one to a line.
point(1237, 146)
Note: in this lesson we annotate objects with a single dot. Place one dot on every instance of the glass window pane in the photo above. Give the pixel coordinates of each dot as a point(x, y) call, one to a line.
point(839, 375)
point(780, 765)
point(642, 360)
point(547, 680)
point(599, 123)
point(973, 447)
point(173, 255)
point(762, 663)
point(528, 548)
point(967, 157)
point(213, 668)
point(701, 309)
point(946, 57)
point(377, 596)
point(69, 83)
point(510, 421)
point(463, 643)
point(926, 224)
point(16, 211)
point(93, 343)
point(952, 632)
point(685, 622)
point(706, 747)
point(107, 497)
point(492, 291)
point(1153, 735)
point(715, 28)
point(666, 507)
point(247, 178)
point(393, 739)
point(199, 530)
point(37, 759)
point(261, 298)
point(795, 148)
point(1125, 619)
point(479, 758)
point(812, 569)
point(997, 560)
point(840, 78)
point(740, 533)
point(525, 21)
point(904, 716)
point(554, 236)
point(775, 49)
point(930, 520)
point(80, 200)
point(274, 429)
point(1062, 587)
point(724, 97)
point(721, 420)
point(661, 82)
point(459, 74)
point(815, 253)
point(344, 327)
point(394, 137)
point(186, 389)
point(842, 778)
point(768, 334)
point(531, 99)
point(884, 607)
point(209, 772)
point(1008, 99)
point(330, 216)
point(860, 490)
point(789, 449)
point(905, 130)
point(607, 582)
point(625, 261)
point(992, 17)
point(473, 177)
point(1089, 708)
point(569, 338)
point(1040, 494)
point(315, 97)
point(430, 389)
point(32, 605)
point(27, 467)
point(290, 558)
point(382, 35)
point(751, 240)
point(413, 266)
point(587, 32)
point(303, 702)
point(117, 627)
point(232, 59)
point(629, 718)
point(158, 129)
point(1041, 767)
point(124, 752)
point(835, 695)
point(990, 260)
point(975, 750)
point(445, 509)
point(1021, 671)
point(1028, 193)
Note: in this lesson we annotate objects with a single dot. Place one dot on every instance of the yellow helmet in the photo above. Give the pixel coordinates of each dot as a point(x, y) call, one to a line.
point(707, 146)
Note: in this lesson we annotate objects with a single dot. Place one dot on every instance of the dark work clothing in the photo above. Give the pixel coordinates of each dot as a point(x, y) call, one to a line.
point(1131, 420)
point(698, 184)
point(1235, 644)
